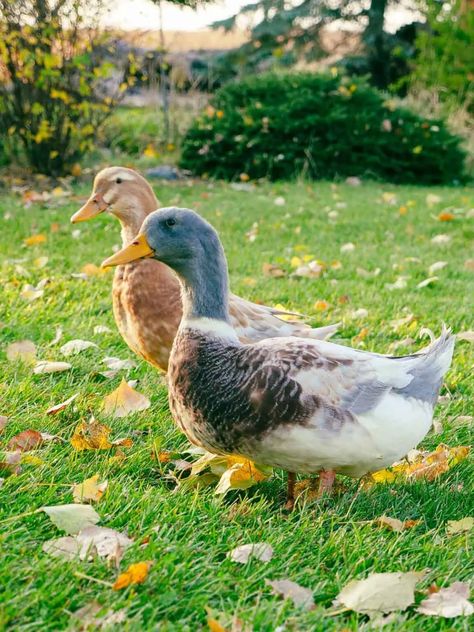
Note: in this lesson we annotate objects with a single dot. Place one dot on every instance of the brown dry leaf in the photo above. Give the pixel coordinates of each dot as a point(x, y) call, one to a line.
point(260, 551)
point(272, 270)
point(396, 525)
point(3, 422)
point(23, 350)
point(25, 441)
point(59, 407)
point(135, 574)
point(11, 462)
point(453, 527)
point(124, 400)
point(89, 490)
point(469, 265)
point(466, 335)
point(446, 216)
point(380, 593)
point(40, 238)
point(462, 420)
point(312, 270)
point(449, 602)
point(291, 590)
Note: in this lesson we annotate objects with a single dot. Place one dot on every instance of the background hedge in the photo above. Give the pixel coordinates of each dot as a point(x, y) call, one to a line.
point(322, 126)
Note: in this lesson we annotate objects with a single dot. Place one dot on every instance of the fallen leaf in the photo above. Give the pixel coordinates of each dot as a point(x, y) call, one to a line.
point(432, 199)
point(241, 474)
point(66, 547)
point(398, 323)
point(389, 198)
point(272, 270)
point(396, 525)
point(92, 435)
point(287, 589)
point(279, 201)
point(260, 551)
point(57, 336)
point(311, 270)
point(427, 282)
point(449, 602)
point(462, 420)
point(441, 240)
point(399, 284)
point(51, 367)
point(3, 422)
point(321, 306)
point(214, 625)
point(31, 293)
point(469, 265)
point(91, 270)
point(74, 347)
point(359, 313)
point(72, 518)
point(102, 329)
point(40, 262)
point(349, 247)
point(23, 350)
point(35, 240)
point(464, 525)
point(380, 593)
point(466, 335)
point(446, 216)
point(11, 462)
point(116, 364)
point(26, 440)
point(438, 265)
point(90, 542)
point(125, 400)
point(90, 489)
point(59, 407)
point(135, 574)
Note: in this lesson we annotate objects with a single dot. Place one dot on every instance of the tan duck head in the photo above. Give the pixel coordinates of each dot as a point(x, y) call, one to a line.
point(124, 193)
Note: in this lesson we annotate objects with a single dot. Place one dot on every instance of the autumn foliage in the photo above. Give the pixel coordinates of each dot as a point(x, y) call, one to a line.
point(56, 81)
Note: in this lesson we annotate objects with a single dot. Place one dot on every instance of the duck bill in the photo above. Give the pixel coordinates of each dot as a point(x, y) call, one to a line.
point(138, 249)
point(94, 205)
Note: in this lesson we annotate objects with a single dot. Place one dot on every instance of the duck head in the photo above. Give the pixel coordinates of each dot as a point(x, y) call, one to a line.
point(121, 192)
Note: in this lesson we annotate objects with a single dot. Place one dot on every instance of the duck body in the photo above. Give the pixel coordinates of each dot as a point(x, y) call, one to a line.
point(300, 404)
point(146, 294)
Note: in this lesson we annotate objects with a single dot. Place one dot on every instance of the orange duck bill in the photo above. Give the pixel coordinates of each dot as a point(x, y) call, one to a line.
point(138, 249)
point(94, 205)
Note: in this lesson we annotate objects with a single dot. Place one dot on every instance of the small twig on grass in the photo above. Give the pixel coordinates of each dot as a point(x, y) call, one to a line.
point(21, 515)
point(92, 579)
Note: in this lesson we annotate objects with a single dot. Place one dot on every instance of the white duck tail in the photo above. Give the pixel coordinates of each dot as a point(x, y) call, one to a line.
point(428, 367)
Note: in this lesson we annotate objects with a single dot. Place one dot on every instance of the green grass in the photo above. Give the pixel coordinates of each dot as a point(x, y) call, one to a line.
point(322, 545)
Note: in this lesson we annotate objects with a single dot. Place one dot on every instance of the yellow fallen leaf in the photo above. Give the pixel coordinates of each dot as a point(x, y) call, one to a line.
point(40, 262)
point(135, 574)
point(90, 489)
point(23, 350)
point(91, 435)
point(214, 625)
point(396, 525)
point(91, 270)
point(150, 151)
point(125, 400)
point(35, 239)
point(321, 306)
point(272, 270)
point(295, 262)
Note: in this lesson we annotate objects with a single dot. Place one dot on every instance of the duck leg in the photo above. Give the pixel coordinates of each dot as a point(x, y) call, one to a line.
point(290, 495)
point(326, 482)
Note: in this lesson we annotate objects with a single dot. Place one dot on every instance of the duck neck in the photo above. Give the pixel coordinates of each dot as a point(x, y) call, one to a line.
point(134, 214)
point(205, 288)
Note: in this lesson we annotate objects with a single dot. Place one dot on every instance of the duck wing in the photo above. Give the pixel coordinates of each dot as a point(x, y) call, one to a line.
point(254, 322)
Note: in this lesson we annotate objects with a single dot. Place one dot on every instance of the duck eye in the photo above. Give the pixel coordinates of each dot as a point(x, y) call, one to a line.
point(118, 180)
point(170, 221)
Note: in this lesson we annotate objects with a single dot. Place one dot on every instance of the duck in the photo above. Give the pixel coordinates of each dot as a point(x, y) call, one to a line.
point(146, 295)
point(300, 404)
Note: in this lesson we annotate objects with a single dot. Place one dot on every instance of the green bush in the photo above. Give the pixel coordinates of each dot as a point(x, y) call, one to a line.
point(132, 130)
point(321, 126)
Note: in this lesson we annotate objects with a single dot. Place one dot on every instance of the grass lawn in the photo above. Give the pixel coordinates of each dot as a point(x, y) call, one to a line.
point(322, 545)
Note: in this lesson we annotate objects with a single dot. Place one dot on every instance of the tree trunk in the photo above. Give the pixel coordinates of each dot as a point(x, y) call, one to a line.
point(374, 39)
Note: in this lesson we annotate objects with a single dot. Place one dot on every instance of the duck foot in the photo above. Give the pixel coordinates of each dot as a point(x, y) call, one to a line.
point(326, 482)
point(290, 495)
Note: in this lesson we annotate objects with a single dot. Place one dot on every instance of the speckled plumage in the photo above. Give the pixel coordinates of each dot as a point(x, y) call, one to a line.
point(146, 294)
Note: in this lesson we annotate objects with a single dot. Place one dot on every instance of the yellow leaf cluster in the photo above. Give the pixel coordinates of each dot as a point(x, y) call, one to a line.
point(135, 574)
point(92, 435)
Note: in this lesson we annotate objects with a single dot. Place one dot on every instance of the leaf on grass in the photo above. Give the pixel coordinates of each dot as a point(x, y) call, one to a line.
point(311, 270)
point(86, 618)
point(396, 525)
point(34, 240)
point(349, 247)
point(446, 216)
point(428, 281)
point(102, 329)
point(90, 542)
point(57, 337)
point(432, 199)
point(260, 551)
point(435, 267)
point(423, 465)
point(469, 265)
point(466, 335)
point(54, 410)
point(242, 474)
point(72, 518)
point(40, 262)
point(399, 284)
point(11, 462)
point(287, 589)
point(90, 489)
point(91, 270)
point(31, 293)
point(116, 364)
point(124, 400)
point(380, 593)
point(449, 602)
point(92, 435)
point(25, 441)
point(135, 574)
point(74, 347)
point(3, 422)
point(51, 367)
point(441, 240)
point(272, 270)
point(462, 420)
point(23, 350)
point(453, 527)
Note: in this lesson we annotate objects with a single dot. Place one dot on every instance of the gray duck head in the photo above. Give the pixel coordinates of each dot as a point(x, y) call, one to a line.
point(189, 245)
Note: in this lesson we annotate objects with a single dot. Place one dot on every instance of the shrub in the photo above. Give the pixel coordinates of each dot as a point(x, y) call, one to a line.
point(55, 80)
point(321, 126)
